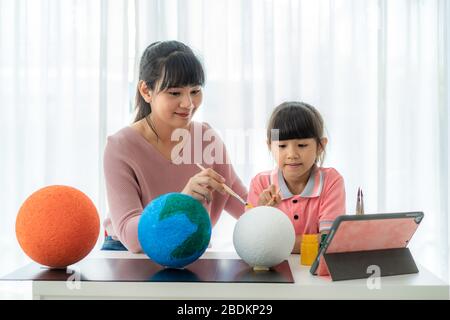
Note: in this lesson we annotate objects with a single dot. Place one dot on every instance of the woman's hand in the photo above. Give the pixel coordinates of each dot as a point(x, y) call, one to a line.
point(269, 197)
point(202, 185)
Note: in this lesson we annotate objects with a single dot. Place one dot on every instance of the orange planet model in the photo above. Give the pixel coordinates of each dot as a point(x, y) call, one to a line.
point(57, 226)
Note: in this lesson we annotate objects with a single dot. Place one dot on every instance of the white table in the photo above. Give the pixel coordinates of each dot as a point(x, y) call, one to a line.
point(423, 285)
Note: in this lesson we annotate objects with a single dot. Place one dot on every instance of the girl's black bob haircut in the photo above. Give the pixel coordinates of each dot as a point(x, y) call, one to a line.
point(295, 120)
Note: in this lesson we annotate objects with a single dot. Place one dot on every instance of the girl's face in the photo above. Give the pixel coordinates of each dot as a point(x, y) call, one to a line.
point(296, 157)
point(175, 106)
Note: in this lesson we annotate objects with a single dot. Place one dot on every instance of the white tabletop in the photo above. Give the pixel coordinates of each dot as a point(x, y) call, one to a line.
point(423, 285)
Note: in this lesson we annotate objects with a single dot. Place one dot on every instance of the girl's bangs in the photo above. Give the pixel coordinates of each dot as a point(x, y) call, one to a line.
point(293, 125)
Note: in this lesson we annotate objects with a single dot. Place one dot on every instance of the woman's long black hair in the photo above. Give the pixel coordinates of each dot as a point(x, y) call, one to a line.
point(167, 64)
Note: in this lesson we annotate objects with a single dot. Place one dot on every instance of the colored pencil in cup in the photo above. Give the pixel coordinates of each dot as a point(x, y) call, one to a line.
point(360, 202)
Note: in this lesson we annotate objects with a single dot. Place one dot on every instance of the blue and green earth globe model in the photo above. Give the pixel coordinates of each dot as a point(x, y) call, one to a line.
point(174, 230)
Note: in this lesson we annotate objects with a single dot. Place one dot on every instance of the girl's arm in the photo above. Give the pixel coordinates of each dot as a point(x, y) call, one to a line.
point(298, 244)
point(332, 202)
point(332, 205)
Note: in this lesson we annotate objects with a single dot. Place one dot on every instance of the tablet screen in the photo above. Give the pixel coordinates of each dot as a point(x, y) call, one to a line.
point(363, 235)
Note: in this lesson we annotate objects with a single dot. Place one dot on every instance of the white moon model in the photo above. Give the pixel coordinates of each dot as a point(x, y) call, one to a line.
point(263, 237)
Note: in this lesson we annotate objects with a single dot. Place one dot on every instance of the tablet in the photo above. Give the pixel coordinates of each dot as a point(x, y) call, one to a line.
point(368, 233)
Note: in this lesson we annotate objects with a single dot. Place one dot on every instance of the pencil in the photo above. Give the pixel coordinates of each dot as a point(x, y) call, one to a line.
point(228, 189)
point(360, 202)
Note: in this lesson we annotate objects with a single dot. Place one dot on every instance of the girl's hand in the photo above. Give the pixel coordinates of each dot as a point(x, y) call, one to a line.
point(203, 184)
point(269, 197)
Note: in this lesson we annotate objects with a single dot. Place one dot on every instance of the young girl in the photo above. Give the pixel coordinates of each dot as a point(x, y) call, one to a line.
point(311, 196)
point(141, 161)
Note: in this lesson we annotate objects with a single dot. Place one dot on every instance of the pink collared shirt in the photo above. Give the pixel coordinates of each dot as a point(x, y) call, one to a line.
point(314, 210)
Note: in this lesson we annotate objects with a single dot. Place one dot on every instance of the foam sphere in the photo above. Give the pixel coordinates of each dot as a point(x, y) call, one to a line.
point(57, 226)
point(264, 237)
point(174, 230)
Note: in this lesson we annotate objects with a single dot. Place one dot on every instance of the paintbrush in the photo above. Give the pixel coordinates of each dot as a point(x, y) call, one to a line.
point(230, 191)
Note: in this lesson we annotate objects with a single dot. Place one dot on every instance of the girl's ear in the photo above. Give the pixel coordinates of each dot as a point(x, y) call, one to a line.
point(320, 150)
point(321, 146)
point(146, 93)
point(323, 142)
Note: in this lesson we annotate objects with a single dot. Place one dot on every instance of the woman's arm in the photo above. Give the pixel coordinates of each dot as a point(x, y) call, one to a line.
point(123, 193)
point(233, 206)
point(201, 185)
point(223, 166)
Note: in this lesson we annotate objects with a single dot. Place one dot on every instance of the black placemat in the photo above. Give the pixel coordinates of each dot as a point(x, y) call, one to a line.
point(145, 270)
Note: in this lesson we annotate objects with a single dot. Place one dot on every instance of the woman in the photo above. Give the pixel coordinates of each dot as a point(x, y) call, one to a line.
point(158, 153)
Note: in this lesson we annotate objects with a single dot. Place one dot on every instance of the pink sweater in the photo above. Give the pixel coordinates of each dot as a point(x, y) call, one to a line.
point(136, 173)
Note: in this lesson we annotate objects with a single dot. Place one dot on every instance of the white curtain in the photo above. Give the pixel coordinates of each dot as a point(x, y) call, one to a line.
point(63, 83)
point(376, 69)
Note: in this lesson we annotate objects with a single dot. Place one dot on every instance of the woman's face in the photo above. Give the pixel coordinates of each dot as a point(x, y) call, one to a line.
point(176, 106)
